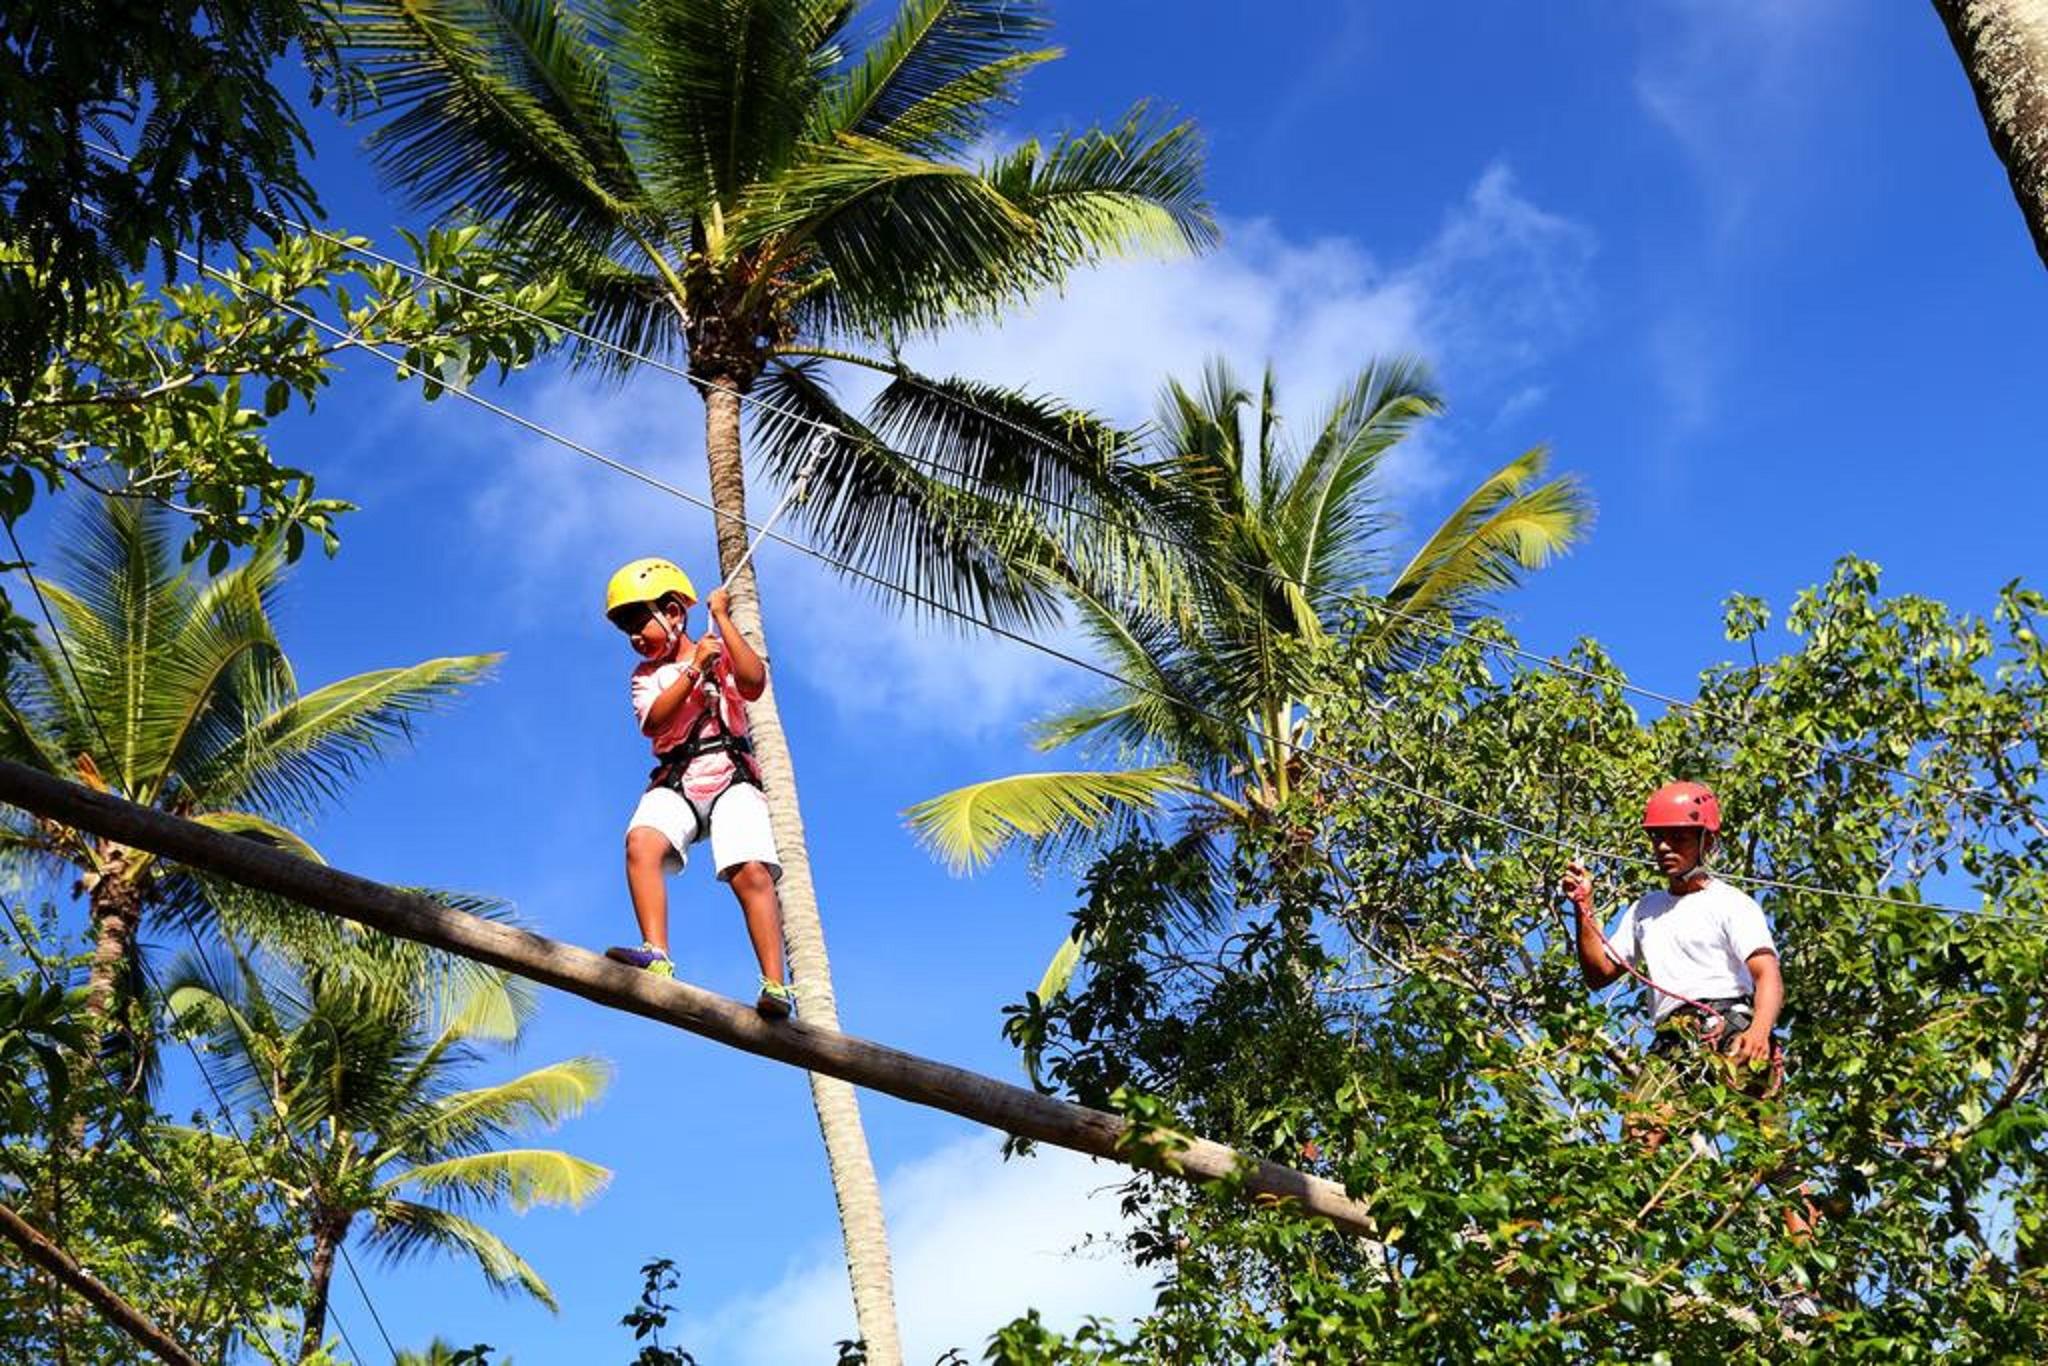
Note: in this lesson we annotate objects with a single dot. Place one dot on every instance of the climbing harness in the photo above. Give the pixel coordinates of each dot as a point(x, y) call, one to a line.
point(674, 762)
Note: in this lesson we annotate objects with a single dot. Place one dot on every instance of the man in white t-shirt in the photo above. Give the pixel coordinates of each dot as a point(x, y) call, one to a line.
point(1703, 946)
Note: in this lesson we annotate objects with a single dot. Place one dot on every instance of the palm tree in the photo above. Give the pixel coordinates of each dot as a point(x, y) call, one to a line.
point(734, 182)
point(1266, 546)
point(173, 691)
point(361, 1087)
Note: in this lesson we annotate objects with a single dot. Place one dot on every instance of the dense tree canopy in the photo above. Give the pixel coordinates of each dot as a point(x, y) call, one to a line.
point(1391, 996)
point(209, 147)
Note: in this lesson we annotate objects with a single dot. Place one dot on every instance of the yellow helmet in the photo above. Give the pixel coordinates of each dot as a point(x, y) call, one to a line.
point(647, 580)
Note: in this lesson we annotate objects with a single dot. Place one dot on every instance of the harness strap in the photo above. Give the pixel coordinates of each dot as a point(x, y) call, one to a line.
point(673, 761)
point(1719, 1019)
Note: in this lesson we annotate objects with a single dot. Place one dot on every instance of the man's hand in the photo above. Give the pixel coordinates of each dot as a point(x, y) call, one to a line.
point(707, 650)
point(1752, 1046)
point(719, 603)
point(1578, 885)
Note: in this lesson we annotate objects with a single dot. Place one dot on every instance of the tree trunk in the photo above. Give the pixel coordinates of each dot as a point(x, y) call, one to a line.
point(116, 907)
point(846, 1143)
point(2003, 45)
point(116, 912)
point(328, 1231)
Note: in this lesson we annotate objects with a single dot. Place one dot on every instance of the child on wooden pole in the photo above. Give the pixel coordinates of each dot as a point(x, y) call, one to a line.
point(690, 699)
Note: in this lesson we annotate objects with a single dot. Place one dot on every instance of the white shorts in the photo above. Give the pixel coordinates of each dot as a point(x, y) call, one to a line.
point(740, 832)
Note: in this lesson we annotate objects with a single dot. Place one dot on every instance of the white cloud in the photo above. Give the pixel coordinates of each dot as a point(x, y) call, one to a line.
point(1729, 79)
point(1497, 287)
point(975, 1242)
point(1500, 284)
point(1526, 399)
point(1734, 83)
point(573, 522)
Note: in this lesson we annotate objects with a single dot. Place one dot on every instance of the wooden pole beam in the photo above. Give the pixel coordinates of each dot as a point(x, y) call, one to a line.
point(921, 1081)
point(91, 1289)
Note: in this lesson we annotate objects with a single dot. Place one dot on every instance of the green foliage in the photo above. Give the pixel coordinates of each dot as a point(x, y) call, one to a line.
point(168, 393)
point(176, 1219)
point(1395, 1004)
point(215, 146)
point(658, 1280)
point(1217, 599)
point(38, 1024)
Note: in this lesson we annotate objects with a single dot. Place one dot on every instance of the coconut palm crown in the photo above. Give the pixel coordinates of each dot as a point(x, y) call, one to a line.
point(734, 181)
point(1268, 542)
point(364, 1086)
point(172, 690)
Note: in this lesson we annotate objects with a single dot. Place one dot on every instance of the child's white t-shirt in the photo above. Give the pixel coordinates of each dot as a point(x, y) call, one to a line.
point(1697, 945)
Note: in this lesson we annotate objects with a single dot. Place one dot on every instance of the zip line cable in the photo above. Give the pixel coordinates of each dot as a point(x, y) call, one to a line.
point(825, 427)
point(155, 987)
point(845, 566)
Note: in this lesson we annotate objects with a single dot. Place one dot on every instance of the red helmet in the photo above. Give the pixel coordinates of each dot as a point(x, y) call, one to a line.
point(1676, 805)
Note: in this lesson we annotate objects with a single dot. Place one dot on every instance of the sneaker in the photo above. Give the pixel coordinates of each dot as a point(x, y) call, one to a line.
point(646, 956)
point(777, 1000)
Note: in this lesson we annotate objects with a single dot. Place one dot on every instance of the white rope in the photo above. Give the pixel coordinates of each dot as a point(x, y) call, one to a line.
point(791, 496)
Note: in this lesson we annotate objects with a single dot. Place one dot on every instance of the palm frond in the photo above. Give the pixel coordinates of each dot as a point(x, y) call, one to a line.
point(121, 600)
point(1057, 977)
point(221, 668)
point(930, 83)
point(304, 752)
point(503, 108)
point(967, 827)
point(403, 1229)
point(27, 737)
point(911, 242)
point(723, 91)
point(1325, 517)
point(1506, 526)
point(545, 1096)
point(1134, 187)
point(522, 1177)
point(1173, 689)
point(895, 519)
point(261, 829)
point(632, 310)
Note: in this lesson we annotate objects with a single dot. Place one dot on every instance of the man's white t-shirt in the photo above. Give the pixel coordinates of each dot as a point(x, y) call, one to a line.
point(1697, 945)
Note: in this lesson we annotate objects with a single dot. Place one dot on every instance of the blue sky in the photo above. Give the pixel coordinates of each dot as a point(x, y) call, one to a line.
point(1750, 268)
